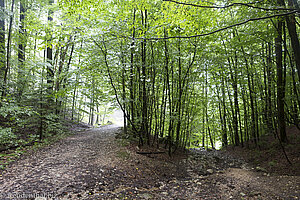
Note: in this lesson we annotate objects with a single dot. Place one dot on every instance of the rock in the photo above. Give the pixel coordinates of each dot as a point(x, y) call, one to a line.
point(242, 194)
point(211, 171)
point(146, 196)
point(198, 183)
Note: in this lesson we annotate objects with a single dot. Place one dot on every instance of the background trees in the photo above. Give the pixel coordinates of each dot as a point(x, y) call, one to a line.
point(186, 73)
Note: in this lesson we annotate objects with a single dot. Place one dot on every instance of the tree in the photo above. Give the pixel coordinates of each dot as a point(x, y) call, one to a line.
point(182, 75)
point(2, 44)
point(21, 50)
point(49, 54)
point(8, 52)
point(291, 25)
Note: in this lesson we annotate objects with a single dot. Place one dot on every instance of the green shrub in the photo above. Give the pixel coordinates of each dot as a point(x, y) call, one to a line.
point(13, 112)
point(54, 126)
point(7, 137)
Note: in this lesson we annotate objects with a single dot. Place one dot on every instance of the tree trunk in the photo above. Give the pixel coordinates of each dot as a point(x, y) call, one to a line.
point(235, 99)
point(280, 82)
point(50, 70)
point(145, 127)
point(131, 76)
point(8, 49)
point(2, 47)
point(179, 87)
point(291, 25)
point(224, 126)
point(21, 51)
point(123, 88)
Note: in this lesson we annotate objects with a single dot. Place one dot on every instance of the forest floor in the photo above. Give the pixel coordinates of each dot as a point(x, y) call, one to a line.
point(269, 155)
point(93, 164)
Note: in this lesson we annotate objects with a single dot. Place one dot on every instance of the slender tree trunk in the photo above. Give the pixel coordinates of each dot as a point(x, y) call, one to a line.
point(131, 76)
point(92, 106)
point(203, 121)
point(74, 100)
point(144, 90)
point(122, 58)
point(224, 126)
point(236, 103)
point(21, 51)
point(296, 95)
point(280, 82)
point(75, 88)
point(170, 130)
point(50, 70)
point(97, 118)
point(179, 97)
point(2, 48)
point(154, 116)
point(232, 112)
point(245, 115)
point(268, 89)
point(163, 106)
point(209, 132)
point(8, 53)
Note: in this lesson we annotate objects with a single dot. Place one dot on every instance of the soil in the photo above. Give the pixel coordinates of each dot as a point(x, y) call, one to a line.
point(268, 153)
point(93, 164)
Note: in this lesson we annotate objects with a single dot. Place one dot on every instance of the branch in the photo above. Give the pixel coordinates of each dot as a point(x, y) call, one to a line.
point(218, 30)
point(231, 5)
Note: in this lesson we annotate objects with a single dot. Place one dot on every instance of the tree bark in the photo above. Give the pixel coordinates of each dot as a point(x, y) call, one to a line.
point(2, 47)
point(235, 99)
point(131, 77)
point(179, 87)
point(280, 83)
point(8, 49)
point(224, 126)
point(145, 127)
point(21, 51)
point(291, 25)
point(50, 71)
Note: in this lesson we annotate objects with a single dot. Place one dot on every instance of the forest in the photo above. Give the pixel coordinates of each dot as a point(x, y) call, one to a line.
point(184, 73)
point(209, 92)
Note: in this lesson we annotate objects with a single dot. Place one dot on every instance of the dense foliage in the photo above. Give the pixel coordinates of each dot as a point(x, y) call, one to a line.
point(189, 73)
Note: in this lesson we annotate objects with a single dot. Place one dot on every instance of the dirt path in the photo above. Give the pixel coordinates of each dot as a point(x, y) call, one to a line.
point(93, 165)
